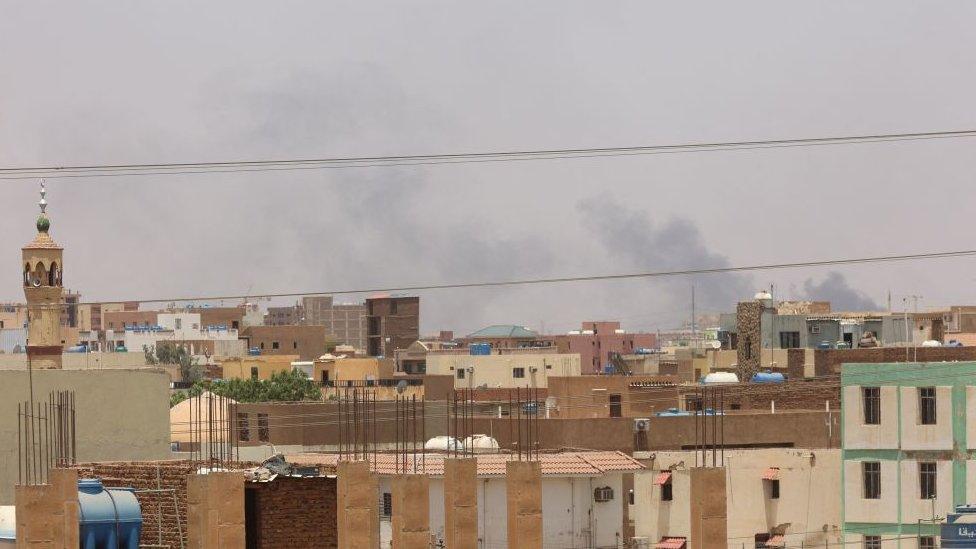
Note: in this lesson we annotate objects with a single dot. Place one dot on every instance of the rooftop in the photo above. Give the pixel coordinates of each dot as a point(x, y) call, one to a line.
point(504, 330)
point(587, 463)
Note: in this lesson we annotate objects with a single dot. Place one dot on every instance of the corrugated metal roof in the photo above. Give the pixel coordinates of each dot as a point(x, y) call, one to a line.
point(504, 330)
point(557, 464)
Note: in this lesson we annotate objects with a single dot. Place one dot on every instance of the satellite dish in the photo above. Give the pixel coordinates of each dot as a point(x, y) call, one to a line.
point(401, 386)
point(35, 282)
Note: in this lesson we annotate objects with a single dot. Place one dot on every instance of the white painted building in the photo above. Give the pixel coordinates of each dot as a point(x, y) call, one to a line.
point(185, 329)
point(774, 497)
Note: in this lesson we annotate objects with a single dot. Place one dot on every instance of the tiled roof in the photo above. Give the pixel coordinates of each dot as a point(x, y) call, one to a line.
point(504, 330)
point(42, 241)
point(771, 473)
point(557, 464)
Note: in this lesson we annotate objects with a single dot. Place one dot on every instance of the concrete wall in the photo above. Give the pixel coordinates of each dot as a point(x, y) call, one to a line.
point(750, 509)
point(858, 435)
point(120, 415)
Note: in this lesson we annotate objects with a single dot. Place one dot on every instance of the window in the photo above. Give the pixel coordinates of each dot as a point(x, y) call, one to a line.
point(789, 340)
point(872, 479)
point(871, 397)
point(178, 323)
point(460, 373)
point(872, 542)
point(667, 494)
point(927, 480)
point(518, 372)
point(393, 307)
point(630, 497)
point(774, 489)
point(387, 504)
point(264, 433)
point(693, 403)
point(274, 345)
point(254, 372)
point(294, 344)
point(615, 406)
point(262, 345)
point(747, 351)
point(926, 405)
point(926, 542)
point(243, 429)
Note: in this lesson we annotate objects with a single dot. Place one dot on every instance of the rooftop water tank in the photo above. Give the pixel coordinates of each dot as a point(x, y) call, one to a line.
point(443, 444)
point(720, 377)
point(768, 377)
point(479, 349)
point(481, 444)
point(108, 517)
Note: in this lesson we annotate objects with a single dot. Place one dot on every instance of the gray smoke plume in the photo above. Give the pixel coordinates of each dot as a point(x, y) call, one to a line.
point(842, 297)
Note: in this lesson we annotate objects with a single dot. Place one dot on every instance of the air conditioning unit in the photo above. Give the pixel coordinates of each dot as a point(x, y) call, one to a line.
point(815, 329)
point(641, 425)
point(603, 494)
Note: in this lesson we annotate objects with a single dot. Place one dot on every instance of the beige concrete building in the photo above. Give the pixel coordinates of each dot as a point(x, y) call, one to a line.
point(256, 367)
point(345, 323)
point(121, 415)
point(503, 370)
point(774, 497)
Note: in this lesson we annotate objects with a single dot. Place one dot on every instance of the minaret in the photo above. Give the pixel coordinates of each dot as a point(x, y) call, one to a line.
point(42, 265)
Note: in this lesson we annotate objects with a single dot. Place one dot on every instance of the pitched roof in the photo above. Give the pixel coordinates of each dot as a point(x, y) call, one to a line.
point(594, 463)
point(504, 330)
point(42, 241)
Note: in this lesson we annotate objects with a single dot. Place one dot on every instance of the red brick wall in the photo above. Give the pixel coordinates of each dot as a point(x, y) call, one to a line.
point(162, 520)
point(295, 512)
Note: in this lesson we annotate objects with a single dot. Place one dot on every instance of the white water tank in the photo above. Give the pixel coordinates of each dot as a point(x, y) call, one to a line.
point(481, 444)
point(720, 377)
point(443, 444)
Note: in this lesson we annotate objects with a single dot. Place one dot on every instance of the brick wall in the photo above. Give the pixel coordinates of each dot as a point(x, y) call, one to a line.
point(828, 361)
point(294, 512)
point(748, 319)
point(163, 522)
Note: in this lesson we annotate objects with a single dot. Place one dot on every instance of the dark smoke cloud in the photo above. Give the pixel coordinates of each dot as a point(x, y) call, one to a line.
point(842, 297)
point(632, 238)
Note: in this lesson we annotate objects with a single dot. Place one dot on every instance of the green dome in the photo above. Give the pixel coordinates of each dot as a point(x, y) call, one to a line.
point(43, 224)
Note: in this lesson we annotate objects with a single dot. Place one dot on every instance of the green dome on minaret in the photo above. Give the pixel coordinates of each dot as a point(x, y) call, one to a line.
point(43, 224)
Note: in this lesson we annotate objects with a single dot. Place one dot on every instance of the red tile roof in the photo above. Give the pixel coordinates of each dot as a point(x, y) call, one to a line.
point(558, 464)
point(771, 473)
point(663, 478)
point(670, 543)
point(776, 541)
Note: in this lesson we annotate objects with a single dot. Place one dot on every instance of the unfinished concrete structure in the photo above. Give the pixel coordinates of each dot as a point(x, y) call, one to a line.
point(411, 522)
point(358, 512)
point(215, 510)
point(523, 482)
point(47, 514)
point(461, 503)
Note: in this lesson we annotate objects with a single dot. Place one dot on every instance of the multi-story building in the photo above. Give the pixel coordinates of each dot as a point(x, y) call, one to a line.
point(345, 323)
point(598, 342)
point(507, 336)
point(909, 435)
point(308, 342)
point(183, 329)
point(770, 498)
point(283, 316)
point(392, 323)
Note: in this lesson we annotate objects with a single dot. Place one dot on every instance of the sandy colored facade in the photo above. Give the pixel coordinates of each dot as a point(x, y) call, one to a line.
point(593, 396)
point(256, 367)
point(120, 415)
point(799, 511)
point(503, 370)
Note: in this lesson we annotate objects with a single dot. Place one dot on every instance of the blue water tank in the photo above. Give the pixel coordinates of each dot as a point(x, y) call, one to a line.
point(768, 377)
point(477, 349)
point(109, 518)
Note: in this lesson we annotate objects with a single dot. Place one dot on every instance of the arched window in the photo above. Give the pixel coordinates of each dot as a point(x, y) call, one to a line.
point(40, 275)
point(26, 274)
point(52, 275)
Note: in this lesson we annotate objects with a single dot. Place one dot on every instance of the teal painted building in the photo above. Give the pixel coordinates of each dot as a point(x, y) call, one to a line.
point(909, 441)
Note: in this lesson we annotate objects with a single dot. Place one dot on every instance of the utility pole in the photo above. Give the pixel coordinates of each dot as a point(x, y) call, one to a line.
point(693, 331)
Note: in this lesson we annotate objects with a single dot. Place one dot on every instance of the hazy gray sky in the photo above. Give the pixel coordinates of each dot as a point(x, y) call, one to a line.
point(117, 82)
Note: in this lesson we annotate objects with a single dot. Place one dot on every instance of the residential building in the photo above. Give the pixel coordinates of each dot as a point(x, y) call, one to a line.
point(13, 315)
point(256, 367)
point(392, 323)
point(507, 370)
point(769, 498)
point(598, 343)
point(345, 323)
point(610, 396)
point(186, 330)
point(308, 342)
point(909, 431)
point(413, 359)
point(283, 316)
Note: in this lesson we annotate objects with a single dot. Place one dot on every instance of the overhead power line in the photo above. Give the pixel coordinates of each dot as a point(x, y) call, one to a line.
point(232, 166)
point(589, 278)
